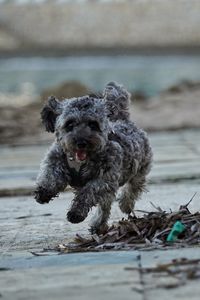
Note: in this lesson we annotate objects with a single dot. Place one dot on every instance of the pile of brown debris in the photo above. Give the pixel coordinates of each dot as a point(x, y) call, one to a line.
point(147, 232)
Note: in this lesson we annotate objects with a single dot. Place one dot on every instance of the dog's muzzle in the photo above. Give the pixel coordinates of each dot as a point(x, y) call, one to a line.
point(81, 150)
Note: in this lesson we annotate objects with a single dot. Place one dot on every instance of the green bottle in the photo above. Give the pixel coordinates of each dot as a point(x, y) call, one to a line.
point(177, 228)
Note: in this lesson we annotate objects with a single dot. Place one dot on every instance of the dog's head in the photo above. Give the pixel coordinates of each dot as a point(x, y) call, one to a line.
point(80, 124)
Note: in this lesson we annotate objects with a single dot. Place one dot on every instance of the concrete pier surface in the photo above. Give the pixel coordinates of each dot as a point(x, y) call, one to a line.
point(26, 226)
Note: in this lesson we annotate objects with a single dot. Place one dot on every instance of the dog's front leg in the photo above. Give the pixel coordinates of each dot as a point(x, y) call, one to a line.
point(99, 191)
point(52, 177)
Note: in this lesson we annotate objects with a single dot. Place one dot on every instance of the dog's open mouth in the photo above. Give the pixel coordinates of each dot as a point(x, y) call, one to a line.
point(80, 155)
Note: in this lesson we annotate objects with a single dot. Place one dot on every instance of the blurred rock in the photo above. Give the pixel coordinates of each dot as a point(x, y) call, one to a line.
point(176, 108)
point(67, 89)
point(138, 96)
point(17, 123)
point(183, 86)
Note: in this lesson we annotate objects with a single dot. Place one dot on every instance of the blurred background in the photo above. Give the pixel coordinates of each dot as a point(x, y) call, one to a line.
point(73, 47)
point(70, 48)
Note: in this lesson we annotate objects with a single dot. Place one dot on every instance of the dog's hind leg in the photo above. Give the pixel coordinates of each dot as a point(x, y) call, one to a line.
point(131, 192)
point(99, 220)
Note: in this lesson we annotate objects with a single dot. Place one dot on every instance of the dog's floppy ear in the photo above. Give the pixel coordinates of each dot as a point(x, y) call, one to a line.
point(50, 112)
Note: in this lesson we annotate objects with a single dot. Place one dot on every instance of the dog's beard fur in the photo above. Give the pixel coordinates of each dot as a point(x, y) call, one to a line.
point(81, 144)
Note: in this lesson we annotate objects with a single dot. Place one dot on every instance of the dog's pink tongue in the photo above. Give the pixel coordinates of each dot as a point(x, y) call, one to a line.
point(81, 154)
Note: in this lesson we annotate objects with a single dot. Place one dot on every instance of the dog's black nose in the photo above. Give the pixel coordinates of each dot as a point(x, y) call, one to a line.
point(81, 144)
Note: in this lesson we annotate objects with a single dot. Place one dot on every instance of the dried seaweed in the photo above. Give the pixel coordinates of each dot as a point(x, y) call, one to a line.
point(147, 232)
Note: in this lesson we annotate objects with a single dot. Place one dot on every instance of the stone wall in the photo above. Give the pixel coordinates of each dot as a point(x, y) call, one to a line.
point(99, 25)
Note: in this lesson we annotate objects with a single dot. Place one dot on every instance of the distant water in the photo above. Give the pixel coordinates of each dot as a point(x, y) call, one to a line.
point(149, 74)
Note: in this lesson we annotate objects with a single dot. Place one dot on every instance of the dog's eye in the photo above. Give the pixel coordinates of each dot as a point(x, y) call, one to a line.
point(94, 125)
point(69, 126)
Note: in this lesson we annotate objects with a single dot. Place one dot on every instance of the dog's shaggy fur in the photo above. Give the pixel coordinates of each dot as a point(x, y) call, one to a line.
point(96, 151)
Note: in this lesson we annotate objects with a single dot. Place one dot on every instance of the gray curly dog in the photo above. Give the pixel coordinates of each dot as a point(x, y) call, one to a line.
point(97, 150)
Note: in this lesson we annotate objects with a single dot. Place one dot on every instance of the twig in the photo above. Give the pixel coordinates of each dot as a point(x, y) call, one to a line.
point(156, 207)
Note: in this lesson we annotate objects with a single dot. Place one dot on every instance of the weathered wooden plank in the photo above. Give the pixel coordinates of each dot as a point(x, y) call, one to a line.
point(35, 225)
point(175, 171)
point(81, 282)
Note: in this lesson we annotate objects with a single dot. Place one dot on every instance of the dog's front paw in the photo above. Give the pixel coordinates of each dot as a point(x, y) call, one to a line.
point(76, 215)
point(42, 195)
